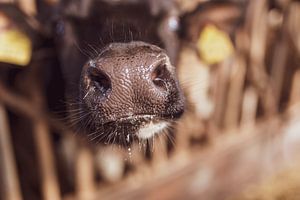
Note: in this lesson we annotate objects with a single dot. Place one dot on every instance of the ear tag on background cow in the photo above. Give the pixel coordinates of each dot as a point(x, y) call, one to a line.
point(15, 46)
point(214, 45)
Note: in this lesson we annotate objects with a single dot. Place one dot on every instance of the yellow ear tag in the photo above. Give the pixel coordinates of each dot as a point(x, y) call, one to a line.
point(15, 47)
point(214, 45)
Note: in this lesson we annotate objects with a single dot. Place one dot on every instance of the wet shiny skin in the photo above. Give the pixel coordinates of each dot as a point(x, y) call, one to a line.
point(129, 88)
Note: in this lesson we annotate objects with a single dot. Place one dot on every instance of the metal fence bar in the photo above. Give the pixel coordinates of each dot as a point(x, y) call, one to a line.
point(11, 188)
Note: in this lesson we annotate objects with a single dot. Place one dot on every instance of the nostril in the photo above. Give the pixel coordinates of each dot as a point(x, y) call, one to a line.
point(100, 81)
point(160, 76)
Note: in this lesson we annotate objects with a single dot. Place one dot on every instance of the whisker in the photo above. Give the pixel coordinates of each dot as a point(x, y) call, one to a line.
point(85, 53)
point(95, 52)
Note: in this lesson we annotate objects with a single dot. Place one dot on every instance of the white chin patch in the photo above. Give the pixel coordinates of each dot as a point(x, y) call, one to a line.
point(149, 130)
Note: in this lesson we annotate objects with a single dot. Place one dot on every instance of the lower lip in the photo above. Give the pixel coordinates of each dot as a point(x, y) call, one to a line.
point(151, 129)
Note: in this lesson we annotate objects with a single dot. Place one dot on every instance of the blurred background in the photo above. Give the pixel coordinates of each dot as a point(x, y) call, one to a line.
point(238, 63)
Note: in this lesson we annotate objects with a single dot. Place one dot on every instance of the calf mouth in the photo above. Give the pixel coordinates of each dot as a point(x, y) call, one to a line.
point(127, 129)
